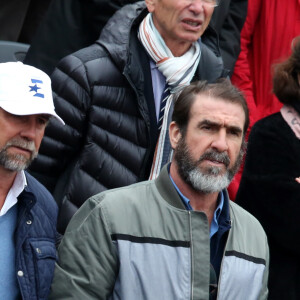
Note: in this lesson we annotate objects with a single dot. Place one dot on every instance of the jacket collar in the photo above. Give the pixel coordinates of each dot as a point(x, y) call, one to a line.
point(27, 197)
point(115, 36)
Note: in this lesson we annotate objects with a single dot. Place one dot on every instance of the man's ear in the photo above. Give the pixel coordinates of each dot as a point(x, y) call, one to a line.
point(174, 134)
point(150, 5)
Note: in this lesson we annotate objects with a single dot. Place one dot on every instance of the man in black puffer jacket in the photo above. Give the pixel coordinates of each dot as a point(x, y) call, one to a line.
point(75, 24)
point(107, 95)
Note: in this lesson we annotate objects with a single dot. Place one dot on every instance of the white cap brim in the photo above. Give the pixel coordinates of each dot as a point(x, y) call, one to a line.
point(22, 111)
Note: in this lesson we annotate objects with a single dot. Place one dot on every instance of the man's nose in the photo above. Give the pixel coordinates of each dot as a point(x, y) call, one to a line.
point(197, 6)
point(220, 141)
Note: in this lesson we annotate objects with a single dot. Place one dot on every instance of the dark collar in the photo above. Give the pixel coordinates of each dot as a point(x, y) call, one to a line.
point(27, 197)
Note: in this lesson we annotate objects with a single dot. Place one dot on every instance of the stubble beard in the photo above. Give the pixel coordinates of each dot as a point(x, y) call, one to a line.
point(209, 180)
point(17, 162)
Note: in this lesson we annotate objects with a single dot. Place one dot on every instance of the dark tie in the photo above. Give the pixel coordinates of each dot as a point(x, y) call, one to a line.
point(164, 98)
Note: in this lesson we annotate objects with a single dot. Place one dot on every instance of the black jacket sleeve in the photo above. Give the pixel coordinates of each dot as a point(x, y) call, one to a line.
point(61, 143)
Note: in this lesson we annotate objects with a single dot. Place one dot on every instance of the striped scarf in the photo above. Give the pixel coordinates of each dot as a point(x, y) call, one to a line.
point(178, 71)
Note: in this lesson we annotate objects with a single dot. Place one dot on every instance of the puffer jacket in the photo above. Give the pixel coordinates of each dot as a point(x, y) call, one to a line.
point(104, 94)
point(139, 242)
point(35, 240)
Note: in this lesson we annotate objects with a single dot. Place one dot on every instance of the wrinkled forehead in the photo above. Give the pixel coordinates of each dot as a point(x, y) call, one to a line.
point(218, 110)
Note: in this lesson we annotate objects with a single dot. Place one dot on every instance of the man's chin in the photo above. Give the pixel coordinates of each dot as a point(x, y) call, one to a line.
point(208, 183)
point(16, 163)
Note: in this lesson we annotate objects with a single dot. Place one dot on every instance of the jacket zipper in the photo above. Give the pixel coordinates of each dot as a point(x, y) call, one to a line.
point(222, 262)
point(142, 169)
point(192, 257)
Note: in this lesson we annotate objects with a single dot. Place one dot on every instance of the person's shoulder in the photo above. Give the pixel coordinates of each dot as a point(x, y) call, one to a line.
point(270, 127)
point(134, 194)
point(81, 66)
point(118, 25)
point(269, 122)
point(121, 205)
point(83, 56)
point(211, 64)
point(128, 12)
point(43, 197)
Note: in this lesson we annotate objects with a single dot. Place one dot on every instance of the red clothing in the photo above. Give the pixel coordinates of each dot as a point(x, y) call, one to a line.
point(266, 37)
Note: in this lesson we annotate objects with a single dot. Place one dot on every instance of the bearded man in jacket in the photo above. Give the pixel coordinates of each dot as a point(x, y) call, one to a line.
point(178, 236)
point(110, 96)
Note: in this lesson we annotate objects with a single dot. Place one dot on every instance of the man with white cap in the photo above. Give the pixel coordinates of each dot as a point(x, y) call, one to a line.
point(28, 213)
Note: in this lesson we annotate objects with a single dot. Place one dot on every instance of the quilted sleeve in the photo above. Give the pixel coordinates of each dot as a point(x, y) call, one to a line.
point(61, 143)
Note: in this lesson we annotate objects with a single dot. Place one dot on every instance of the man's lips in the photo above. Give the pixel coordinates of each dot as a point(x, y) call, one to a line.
point(192, 24)
point(21, 150)
point(214, 162)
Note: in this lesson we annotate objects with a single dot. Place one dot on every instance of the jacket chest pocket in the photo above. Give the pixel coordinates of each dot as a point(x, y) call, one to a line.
point(44, 258)
point(241, 276)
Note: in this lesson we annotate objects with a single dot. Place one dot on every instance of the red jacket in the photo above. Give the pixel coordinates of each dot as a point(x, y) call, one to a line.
point(266, 39)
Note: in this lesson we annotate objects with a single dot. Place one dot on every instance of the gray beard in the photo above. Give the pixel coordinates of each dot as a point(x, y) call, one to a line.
point(17, 162)
point(208, 183)
point(210, 180)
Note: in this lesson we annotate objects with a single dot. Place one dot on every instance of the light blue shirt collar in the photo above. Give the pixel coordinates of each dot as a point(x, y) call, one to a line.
point(214, 227)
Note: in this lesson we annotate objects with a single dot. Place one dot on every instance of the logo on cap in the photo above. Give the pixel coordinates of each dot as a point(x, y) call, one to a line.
point(35, 88)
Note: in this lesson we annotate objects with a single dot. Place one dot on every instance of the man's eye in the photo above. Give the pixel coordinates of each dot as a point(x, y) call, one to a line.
point(234, 132)
point(42, 121)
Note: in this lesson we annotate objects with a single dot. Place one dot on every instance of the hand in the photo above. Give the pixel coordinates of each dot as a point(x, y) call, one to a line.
point(297, 179)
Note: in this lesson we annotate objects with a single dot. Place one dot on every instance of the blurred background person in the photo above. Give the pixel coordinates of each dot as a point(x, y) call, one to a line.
point(228, 20)
point(270, 188)
point(19, 19)
point(266, 37)
point(70, 25)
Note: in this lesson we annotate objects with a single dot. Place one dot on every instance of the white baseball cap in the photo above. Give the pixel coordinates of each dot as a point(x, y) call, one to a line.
point(25, 90)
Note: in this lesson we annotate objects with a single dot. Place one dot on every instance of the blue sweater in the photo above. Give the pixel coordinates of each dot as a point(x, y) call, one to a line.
point(9, 288)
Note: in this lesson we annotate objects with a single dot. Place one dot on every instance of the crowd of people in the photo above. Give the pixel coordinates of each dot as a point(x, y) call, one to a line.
point(126, 164)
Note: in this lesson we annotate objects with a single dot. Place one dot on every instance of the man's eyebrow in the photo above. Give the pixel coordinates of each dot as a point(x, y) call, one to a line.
point(237, 129)
point(210, 123)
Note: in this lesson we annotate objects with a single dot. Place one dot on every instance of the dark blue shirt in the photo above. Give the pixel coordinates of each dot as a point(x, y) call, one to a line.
point(219, 227)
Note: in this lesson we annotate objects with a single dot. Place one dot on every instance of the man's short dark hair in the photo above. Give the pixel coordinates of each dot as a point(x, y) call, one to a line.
point(222, 89)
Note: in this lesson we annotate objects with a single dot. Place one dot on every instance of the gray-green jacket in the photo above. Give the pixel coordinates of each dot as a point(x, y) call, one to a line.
point(140, 243)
